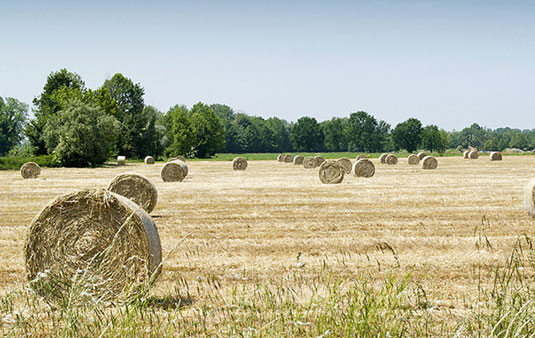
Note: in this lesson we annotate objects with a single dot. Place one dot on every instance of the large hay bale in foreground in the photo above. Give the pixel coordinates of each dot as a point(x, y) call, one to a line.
point(288, 158)
point(421, 155)
point(94, 240)
point(466, 153)
point(413, 159)
point(495, 156)
point(331, 172)
point(174, 171)
point(30, 170)
point(364, 168)
point(360, 157)
point(309, 162)
point(391, 159)
point(136, 188)
point(121, 160)
point(298, 160)
point(429, 162)
point(149, 160)
point(318, 160)
point(346, 164)
point(280, 158)
point(473, 155)
point(382, 158)
point(529, 198)
point(239, 163)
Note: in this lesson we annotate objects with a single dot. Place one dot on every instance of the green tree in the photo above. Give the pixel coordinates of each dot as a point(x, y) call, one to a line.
point(208, 131)
point(474, 136)
point(280, 135)
point(306, 135)
point(407, 135)
point(80, 135)
point(364, 133)
point(180, 132)
point(335, 136)
point(253, 135)
point(13, 115)
point(433, 140)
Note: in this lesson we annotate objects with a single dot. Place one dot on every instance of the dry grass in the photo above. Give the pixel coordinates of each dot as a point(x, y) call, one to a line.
point(273, 220)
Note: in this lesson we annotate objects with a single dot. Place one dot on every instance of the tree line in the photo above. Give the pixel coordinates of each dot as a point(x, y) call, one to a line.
point(84, 127)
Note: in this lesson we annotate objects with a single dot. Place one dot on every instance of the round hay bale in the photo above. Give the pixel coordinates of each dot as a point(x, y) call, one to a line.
point(92, 239)
point(136, 188)
point(30, 170)
point(298, 160)
point(495, 156)
point(288, 158)
point(174, 171)
point(429, 162)
point(413, 159)
point(473, 155)
point(309, 163)
point(346, 164)
point(121, 160)
point(364, 168)
point(318, 160)
point(361, 156)
point(239, 163)
point(391, 159)
point(280, 158)
point(466, 153)
point(177, 158)
point(421, 155)
point(382, 158)
point(331, 172)
point(149, 160)
point(529, 198)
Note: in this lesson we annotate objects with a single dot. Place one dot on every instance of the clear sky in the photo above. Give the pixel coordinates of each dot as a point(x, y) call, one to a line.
point(449, 63)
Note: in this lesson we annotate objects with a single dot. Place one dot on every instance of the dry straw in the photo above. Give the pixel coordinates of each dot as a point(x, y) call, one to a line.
point(382, 158)
point(529, 198)
point(298, 160)
point(331, 172)
point(391, 159)
point(121, 160)
point(413, 159)
point(239, 163)
point(466, 153)
point(136, 188)
point(346, 164)
point(174, 171)
point(473, 155)
point(364, 168)
point(421, 155)
point(149, 160)
point(179, 158)
point(95, 240)
point(288, 158)
point(495, 156)
point(361, 156)
point(429, 162)
point(280, 158)
point(318, 160)
point(309, 163)
point(30, 170)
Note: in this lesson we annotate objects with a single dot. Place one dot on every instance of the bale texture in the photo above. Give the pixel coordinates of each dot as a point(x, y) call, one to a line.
point(466, 153)
point(429, 162)
point(382, 158)
point(298, 160)
point(495, 156)
point(391, 159)
point(149, 160)
point(318, 160)
point(280, 158)
point(136, 188)
point(94, 239)
point(421, 155)
point(30, 170)
point(364, 168)
point(309, 163)
point(473, 155)
point(288, 158)
point(331, 172)
point(174, 171)
point(346, 164)
point(239, 163)
point(179, 158)
point(121, 160)
point(529, 198)
point(361, 156)
point(413, 159)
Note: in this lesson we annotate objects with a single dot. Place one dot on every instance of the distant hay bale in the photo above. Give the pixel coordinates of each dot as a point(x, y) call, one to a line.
point(529, 198)
point(495, 156)
point(473, 155)
point(298, 160)
point(346, 164)
point(288, 158)
point(391, 159)
point(30, 170)
point(179, 158)
point(360, 157)
point(429, 162)
point(318, 160)
point(174, 171)
point(413, 159)
point(309, 162)
point(466, 154)
point(136, 188)
point(382, 158)
point(421, 155)
point(121, 160)
point(149, 160)
point(331, 172)
point(93, 240)
point(239, 163)
point(280, 158)
point(364, 168)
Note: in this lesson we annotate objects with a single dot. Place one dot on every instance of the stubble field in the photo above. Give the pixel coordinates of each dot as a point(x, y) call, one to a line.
point(271, 251)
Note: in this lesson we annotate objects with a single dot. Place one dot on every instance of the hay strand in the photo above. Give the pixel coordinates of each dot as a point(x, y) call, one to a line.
point(429, 162)
point(421, 155)
point(174, 171)
point(309, 163)
point(495, 156)
point(382, 158)
point(149, 160)
point(331, 172)
point(346, 164)
point(318, 160)
point(298, 160)
point(391, 159)
point(30, 170)
point(136, 188)
point(239, 163)
point(364, 168)
point(473, 155)
point(529, 198)
point(121, 160)
point(413, 159)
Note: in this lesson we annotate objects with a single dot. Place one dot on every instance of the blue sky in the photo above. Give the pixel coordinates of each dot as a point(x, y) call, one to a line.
point(449, 63)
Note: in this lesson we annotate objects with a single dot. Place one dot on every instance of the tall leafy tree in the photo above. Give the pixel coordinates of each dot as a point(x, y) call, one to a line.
point(408, 135)
point(180, 132)
point(13, 115)
point(280, 134)
point(335, 137)
point(364, 133)
point(433, 140)
point(208, 130)
point(306, 135)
